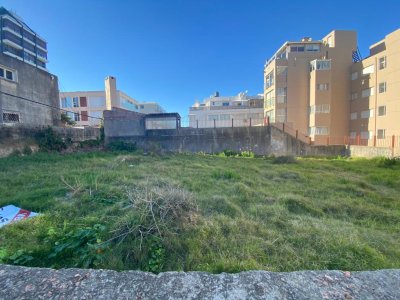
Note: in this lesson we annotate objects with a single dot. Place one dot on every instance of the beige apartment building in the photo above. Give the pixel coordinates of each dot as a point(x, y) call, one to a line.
point(325, 90)
point(307, 85)
point(86, 107)
point(375, 93)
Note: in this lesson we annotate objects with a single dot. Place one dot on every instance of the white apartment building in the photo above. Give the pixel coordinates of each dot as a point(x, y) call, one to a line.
point(220, 111)
point(86, 107)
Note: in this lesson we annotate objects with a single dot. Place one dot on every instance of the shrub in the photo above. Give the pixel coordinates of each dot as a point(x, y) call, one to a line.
point(284, 160)
point(27, 150)
point(386, 162)
point(122, 146)
point(247, 154)
point(48, 140)
point(156, 214)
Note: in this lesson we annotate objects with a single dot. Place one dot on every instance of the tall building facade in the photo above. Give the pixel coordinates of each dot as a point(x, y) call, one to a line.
point(375, 93)
point(86, 107)
point(221, 111)
point(18, 40)
point(306, 85)
point(28, 92)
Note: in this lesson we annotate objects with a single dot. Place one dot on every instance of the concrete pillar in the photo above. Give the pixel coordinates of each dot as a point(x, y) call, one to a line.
point(112, 99)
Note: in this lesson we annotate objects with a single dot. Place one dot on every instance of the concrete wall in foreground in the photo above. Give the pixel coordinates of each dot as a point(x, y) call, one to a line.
point(260, 140)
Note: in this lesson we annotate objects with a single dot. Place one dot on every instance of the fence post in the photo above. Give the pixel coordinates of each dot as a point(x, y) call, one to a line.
point(283, 127)
point(214, 124)
point(297, 133)
point(197, 124)
point(250, 122)
point(232, 122)
point(358, 140)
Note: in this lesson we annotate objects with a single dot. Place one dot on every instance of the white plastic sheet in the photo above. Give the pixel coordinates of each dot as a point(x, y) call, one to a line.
point(10, 214)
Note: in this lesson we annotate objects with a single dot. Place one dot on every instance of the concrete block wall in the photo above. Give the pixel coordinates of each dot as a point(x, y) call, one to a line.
point(34, 84)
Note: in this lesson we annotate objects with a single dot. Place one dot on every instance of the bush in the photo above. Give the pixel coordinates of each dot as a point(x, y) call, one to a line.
point(48, 140)
point(386, 162)
point(155, 215)
point(284, 160)
point(27, 150)
point(122, 146)
point(247, 154)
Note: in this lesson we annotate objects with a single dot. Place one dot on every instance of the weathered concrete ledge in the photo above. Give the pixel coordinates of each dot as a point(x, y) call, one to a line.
point(36, 283)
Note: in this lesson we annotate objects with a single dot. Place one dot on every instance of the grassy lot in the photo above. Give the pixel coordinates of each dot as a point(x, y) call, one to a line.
point(251, 213)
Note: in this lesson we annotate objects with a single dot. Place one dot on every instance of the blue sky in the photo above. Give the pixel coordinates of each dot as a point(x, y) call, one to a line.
point(175, 51)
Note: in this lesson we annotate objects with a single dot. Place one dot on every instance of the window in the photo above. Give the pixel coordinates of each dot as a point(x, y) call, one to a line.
point(212, 117)
point(320, 64)
point(366, 135)
point(75, 102)
point(269, 100)
point(354, 96)
point(11, 117)
point(224, 117)
point(269, 79)
point(367, 92)
point(297, 48)
point(83, 101)
point(365, 114)
point(77, 117)
point(381, 110)
point(354, 75)
point(7, 74)
point(381, 133)
point(281, 70)
point(382, 62)
point(322, 86)
point(320, 109)
point(225, 103)
point(353, 116)
point(318, 131)
point(382, 87)
point(141, 106)
point(368, 70)
point(314, 47)
point(281, 95)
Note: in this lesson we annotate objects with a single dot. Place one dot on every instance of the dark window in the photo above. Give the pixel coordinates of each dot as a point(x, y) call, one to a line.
point(9, 75)
point(29, 36)
point(12, 37)
point(29, 57)
point(83, 103)
point(12, 50)
point(41, 53)
point(84, 115)
point(29, 46)
point(41, 64)
point(14, 27)
point(1, 72)
point(11, 118)
point(41, 43)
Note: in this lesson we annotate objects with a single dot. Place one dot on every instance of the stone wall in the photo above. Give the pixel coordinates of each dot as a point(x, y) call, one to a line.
point(120, 122)
point(34, 84)
point(17, 137)
point(261, 140)
point(36, 283)
point(369, 152)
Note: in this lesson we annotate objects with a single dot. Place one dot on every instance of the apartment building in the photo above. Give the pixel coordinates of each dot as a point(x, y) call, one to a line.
point(375, 92)
point(86, 107)
point(221, 111)
point(18, 40)
point(28, 92)
point(306, 85)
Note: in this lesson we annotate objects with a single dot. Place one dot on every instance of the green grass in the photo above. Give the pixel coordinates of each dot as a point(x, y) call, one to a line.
point(254, 213)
